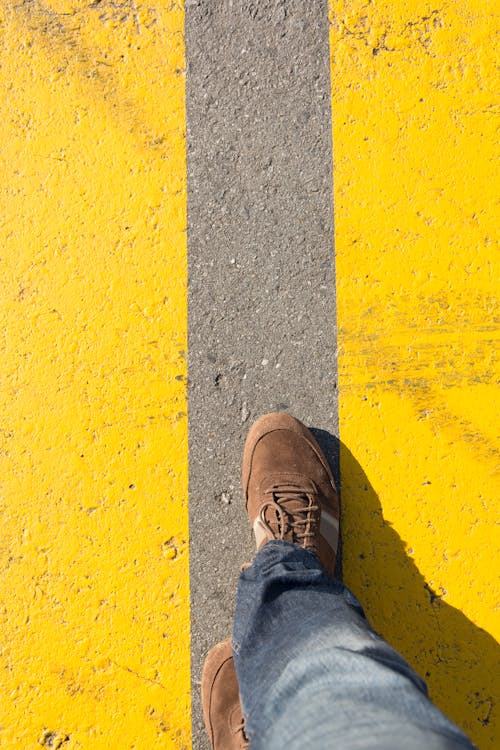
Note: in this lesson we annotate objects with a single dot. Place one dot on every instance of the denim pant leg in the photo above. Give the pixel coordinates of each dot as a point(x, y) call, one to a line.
point(312, 672)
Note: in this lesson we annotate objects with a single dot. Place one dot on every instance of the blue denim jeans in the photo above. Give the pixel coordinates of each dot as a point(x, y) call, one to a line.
point(312, 672)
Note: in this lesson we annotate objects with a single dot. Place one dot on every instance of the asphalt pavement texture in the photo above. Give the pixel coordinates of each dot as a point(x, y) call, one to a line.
point(262, 334)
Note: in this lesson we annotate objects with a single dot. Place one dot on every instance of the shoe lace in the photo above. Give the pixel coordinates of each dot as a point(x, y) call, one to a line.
point(296, 512)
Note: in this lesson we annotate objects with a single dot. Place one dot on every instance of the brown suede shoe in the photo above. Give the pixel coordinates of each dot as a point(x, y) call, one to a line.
point(289, 488)
point(220, 698)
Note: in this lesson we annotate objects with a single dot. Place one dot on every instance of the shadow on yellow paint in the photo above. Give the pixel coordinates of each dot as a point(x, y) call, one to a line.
point(458, 659)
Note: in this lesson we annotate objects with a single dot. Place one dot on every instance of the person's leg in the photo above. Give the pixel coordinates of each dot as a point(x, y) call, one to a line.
point(313, 674)
point(311, 671)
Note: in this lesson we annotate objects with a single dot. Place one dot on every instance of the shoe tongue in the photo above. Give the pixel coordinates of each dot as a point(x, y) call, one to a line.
point(292, 503)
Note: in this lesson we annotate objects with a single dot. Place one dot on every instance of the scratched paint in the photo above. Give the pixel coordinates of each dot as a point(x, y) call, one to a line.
point(93, 454)
point(416, 215)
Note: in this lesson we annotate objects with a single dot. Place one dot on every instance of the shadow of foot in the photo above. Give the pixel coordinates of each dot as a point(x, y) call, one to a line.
point(459, 661)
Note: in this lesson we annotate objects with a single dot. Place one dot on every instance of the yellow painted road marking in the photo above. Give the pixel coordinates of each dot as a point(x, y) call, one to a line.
point(416, 215)
point(93, 486)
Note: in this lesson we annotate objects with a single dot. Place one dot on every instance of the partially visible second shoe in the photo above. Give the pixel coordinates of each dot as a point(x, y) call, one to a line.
point(289, 488)
point(220, 697)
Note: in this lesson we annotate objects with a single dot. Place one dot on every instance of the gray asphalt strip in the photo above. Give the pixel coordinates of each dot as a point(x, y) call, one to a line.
point(261, 268)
